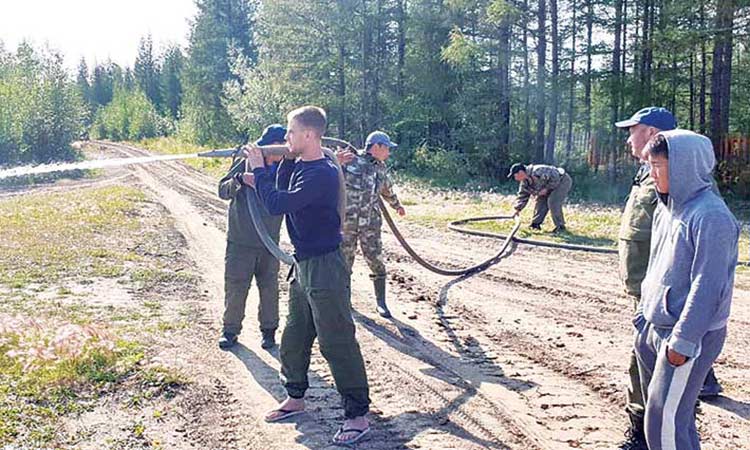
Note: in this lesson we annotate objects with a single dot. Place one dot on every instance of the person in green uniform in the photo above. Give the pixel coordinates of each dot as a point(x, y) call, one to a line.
point(549, 186)
point(246, 257)
point(634, 242)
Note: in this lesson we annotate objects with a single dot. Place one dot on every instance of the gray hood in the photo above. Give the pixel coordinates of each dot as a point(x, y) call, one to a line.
point(691, 165)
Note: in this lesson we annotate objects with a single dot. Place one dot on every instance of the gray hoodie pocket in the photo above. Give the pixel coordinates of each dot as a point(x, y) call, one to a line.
point(656, 304)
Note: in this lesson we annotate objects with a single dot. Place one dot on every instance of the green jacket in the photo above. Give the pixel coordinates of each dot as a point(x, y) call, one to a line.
point(639, 210)
point(635, 231)
point(240, 229)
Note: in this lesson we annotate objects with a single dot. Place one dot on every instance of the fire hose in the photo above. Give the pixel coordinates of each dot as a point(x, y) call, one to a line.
point(451, 272)
point(256, 214)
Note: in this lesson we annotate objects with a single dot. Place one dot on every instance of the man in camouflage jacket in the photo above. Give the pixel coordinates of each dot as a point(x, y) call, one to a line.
point(549, 185)
point(366, 179)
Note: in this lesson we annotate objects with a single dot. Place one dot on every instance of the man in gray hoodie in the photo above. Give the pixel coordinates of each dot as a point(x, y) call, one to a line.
point(686, 295)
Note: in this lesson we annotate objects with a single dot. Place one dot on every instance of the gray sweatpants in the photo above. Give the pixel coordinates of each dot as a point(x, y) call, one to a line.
point(671, 392)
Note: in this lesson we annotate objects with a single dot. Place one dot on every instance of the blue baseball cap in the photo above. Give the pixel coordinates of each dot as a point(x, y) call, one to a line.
point(272, 133)
point(652, 116)
point(378, 137)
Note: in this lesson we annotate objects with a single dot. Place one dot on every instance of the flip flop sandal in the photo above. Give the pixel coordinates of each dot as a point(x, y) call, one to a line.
point(285, 414)
point(358, 437)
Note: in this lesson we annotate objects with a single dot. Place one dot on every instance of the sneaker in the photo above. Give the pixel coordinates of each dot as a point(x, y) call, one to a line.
point(269, 339)
point(536, 226)
point(227, 341)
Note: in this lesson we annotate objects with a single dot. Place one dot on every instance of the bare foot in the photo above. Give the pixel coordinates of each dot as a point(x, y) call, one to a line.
point(352, 430)
point(287, 408)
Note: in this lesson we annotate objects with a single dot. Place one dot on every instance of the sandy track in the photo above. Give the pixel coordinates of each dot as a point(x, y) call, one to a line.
point(531, 353)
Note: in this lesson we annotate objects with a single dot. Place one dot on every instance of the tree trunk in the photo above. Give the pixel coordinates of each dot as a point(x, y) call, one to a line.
point(380, 52)
point(541, 52)
point(571, 99)
point(367, 68)
point(616, 84)
point(722, 71)
point(526, 79)
point(692, 89)
point(587, 80)
point(646, 52)
point(554, 106)
point(504, 33)
point(401, 21)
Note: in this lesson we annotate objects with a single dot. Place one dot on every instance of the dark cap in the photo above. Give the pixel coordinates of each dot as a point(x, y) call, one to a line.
point(272, 133)
point(378, 137)
point(515, 168)
point(652, 116)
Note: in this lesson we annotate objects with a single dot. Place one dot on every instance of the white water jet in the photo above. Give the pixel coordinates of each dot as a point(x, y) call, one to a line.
point(87, 165)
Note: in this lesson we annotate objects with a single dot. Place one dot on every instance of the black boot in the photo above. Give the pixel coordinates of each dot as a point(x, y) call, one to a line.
point(227, 341)
point(269, 338)
point(635, 438)
point(379, 284)
point(536, 226)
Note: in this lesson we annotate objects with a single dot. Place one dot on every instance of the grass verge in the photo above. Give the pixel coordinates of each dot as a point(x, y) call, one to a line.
point(588, 224)
point(83, 278)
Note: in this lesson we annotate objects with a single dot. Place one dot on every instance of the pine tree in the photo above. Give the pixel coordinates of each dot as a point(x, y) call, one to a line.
point(222, 29)
point(171, 85)
point(146, 72)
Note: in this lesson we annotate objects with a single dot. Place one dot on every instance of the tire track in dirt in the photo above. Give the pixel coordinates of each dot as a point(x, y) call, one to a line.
point(392, 430)
point(591, 344)
point(438, 345)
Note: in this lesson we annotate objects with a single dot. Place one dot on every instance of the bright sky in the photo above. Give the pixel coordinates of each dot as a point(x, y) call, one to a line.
point(95, 29)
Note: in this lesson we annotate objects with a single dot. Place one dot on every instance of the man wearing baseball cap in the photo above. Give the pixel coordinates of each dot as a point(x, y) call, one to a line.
point(246, 257)
point(634, 249)
point(366, 179)
point(549, 186)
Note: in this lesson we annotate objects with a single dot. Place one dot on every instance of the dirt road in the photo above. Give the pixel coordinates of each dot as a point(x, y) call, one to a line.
point(531, 353)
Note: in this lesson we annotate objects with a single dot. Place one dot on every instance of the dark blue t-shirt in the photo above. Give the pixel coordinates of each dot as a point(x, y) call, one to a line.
point(308, 193)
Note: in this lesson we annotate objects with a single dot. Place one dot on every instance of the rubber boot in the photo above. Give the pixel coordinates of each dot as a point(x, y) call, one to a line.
point(635, 437)
point(269, 338)
point(379, 284)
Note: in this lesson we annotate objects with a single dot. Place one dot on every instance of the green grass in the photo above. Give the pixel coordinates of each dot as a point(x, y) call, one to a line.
point(49, 368)
point(588, 224)
point(48, 236)
point(50, 242)
point(216, 167)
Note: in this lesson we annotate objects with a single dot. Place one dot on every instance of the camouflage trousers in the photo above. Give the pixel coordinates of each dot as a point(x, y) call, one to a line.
point(370, 242)
point(553, 202)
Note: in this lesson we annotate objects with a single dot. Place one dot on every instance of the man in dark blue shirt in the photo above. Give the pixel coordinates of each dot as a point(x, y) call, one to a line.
point(307, 192)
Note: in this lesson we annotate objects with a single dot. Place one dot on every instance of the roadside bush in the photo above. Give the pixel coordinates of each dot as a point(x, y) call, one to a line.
point(129, 116)
point(439, 163)
point(41, 112)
